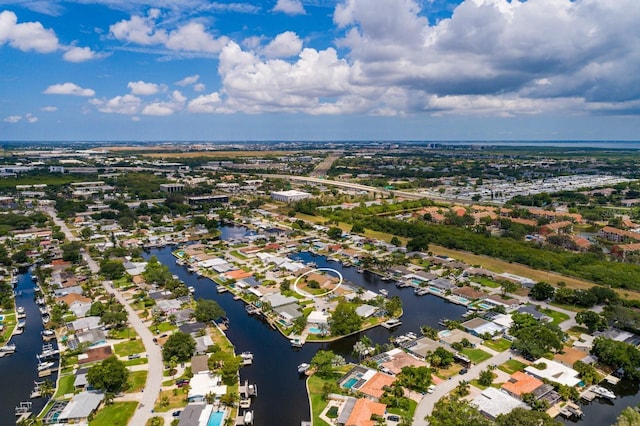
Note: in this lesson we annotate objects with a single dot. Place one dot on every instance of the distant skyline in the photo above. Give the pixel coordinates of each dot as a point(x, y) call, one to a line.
point(309, 70)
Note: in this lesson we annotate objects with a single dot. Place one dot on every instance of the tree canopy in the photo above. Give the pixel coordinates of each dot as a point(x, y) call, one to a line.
point(208, 310)
point(110, 376)
point(344, 320)
point(542, 291)
point(450, 411)
point(180, 345)
point(534, 339)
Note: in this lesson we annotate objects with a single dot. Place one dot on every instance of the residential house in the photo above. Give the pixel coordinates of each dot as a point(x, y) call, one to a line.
point(493, 402)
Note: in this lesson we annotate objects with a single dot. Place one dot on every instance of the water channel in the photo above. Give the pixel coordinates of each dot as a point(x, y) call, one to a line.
point(19, 371)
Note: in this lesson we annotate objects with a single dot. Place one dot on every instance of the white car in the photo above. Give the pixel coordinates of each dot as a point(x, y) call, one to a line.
point(431, 389)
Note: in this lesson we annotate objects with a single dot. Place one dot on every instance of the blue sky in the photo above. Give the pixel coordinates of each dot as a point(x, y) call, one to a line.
point(319, 70)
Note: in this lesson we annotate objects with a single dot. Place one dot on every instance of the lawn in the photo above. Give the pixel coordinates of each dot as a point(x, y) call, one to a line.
point(558, 317)
point(163, 327)
point(137, 380)
point(116, 414)
point(237, 254)
point(404, 413)
point(129, 347)
point(315, 383)
point(178, 400)
point(512, 366)
point(9, 323)
point(452, 370)
point(487, 282)
point(572, 308)
point(499, 345)
point(476, 355)
point(137, 361)
point(65, 385)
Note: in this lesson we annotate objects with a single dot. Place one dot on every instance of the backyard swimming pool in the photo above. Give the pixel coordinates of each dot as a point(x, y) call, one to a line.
point(216, 418)
point(349, 383)
point(314, 330)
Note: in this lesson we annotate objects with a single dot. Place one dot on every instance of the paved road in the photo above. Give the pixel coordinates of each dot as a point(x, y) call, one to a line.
point(425, 406)
point(154, 377)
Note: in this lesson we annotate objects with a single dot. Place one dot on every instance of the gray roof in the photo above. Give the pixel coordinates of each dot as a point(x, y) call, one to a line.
point(277, 299)
point(190, 416)
point(442, 283)
point(292, 310)
point(346, 410)
point(85, 323)
point(81, 405)
point(533, 311)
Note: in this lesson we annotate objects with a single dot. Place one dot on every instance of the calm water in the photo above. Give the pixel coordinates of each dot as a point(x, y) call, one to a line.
point(19, 370)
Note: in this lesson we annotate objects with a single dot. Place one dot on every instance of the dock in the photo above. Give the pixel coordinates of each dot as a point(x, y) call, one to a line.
point(588, 395)
point(45, 373)
point(392, 323)
point(221, 289)
point(247, 391)
point(571, 409)
point(612, 379)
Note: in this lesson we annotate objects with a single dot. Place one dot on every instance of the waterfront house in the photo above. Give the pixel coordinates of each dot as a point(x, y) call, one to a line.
point(479, 327)
point(424, 346)
point(393, 361)
point(277, 300)
point(359, 412)
point(520, 383)
point(493, 402)
point(81, 407)
point(367, 381)
point(365, 311)
point(99, 353)
point(508, 304)
point(288, 313)
point(199, 364)
point(318, 318)
point(80, 381)
point(450, 337)
point(554, 372)
point(205, 383)
point(84, 324)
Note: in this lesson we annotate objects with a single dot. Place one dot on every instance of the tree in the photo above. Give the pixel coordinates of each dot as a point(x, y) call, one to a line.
point(429, 332)
point(47, 389)
point(344, 320)
point(535, 339)
point(322, 361)
point(508, 287)
point(441, 357)
point(415, 378)
point(71, 251)
point(524, 417)
point(86, 233)
point(393, 306)
point(588, 372)
point(630, 416)
point(542, 291)
point(179, 344)
point(592, 320)
point(227, 364)
point(112, 269)
point(418, 243)
point(486, 377)
point(208, 310)
point(450, 411)
point(156, 273)
point(334, 233)
point(110, 376)
point(617, 354)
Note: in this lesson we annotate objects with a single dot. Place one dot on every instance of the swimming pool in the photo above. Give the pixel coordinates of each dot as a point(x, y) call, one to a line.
point(180, 253)
point(349, 383)
point(485, 306)
point(216, 418)
point(314, 330)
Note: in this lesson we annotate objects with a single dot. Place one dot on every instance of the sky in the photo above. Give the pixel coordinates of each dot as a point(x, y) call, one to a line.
point(206, 70)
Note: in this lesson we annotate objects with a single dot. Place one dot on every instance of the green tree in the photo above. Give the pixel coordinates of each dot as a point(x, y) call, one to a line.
point(393, 306)
point(110, 376)
point(179, 344)
point(322, 361)
point(524, 417)
point(416, 378)
point(156, 273)
point(418, 243)
point(508, 287)
point(227, 365)
point(334, 233)
point(344, 320)
point(456, 412)
point(486, 377)
point(208, 310)
point(112, 269)
point(630, 416)
point(592, 320)
point(429, 332)
point(542, 291)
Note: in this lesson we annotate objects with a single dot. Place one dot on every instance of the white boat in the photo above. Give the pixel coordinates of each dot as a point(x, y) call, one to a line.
point(221, 289)
point(247, 358)
point(391, 323)
point(297, 342)
point(45, 365)
point(245, 403)
point(8, 348)
point(302, 368)
point(603, 392)
point(48, 333)
point(384, 292)
point(20, 310)
point(248, 418)
point(192, 289)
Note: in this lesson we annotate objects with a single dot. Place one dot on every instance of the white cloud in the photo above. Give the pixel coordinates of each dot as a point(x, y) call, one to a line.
point(80, 54)
point(26, 36)
point(126, 104)
point(30, 118)
point(135, 118)
point(176, 103)
point(284, 45)
point(68, 89)
point(12, 119)
point(190, 37)
point(49, 109)
point(206, 103)
point(189, 80)
point(290, 7)
point(199, 87)
point(144, 89)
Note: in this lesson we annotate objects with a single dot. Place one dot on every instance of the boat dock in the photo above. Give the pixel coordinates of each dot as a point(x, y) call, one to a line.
point(392, 323)
point(588, 395)
point(571, 409)
point(247, 391)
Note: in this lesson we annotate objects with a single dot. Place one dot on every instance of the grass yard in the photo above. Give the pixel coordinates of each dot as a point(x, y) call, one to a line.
point(137, 361)
point(129, 347)
point(65, 385)
point(512, 366)
point(116, 414)
point(404, 413)
point(499, 345)
point(9, 323)
point(163, 327)
point(237, 254)
point(137, 380)
point(487, 282)
point(476, 355)
point(125, 333)
point(477, 384)
point(171, 401)
point(558, 317)
point(572, 308)
point(314, 383)
point(452, 370)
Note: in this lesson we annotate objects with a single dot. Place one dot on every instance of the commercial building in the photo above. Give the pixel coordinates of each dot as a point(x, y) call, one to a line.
point(170, 188)
point(290, 196)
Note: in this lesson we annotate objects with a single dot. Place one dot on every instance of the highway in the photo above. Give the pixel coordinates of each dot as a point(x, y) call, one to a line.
point(154, 376)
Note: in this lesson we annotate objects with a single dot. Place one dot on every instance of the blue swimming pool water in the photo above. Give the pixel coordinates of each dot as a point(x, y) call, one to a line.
point(216, 418)
point(485, 305)
point(314, 330)
point(349, 384)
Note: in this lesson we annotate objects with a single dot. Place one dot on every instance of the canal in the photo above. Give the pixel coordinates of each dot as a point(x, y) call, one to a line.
point(19, 371)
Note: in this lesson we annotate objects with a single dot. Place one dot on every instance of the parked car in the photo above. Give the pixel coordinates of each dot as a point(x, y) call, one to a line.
point(176, 413)
point(464, 371)
point(393, 418)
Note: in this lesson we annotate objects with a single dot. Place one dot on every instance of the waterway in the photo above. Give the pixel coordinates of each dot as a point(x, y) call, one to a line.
point(282, 397)
point(19, 371)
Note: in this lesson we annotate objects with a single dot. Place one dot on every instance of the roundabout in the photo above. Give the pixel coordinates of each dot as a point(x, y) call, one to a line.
point(307, 294)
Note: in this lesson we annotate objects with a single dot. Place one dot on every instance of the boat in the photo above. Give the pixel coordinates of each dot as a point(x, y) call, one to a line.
point(48, 333)
point(245, 403)
point(384, 292)
point(252, 390)
point(192, 289)
point(603, 392)
point(360, 270)
point(247, 358)
point(302, 368)
point(252, 309)
point(45, 365)
point(48, 352)
point(391, 323)
point(221, 289)
point(20, 310)
point(8, 348)
point(297, 342)
point(248, 418)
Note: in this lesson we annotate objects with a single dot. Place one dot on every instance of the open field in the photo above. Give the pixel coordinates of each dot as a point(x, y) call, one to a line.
point(171, 153)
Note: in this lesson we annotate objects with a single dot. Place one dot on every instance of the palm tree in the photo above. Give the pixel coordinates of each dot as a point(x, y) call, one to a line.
point(47, 389)
point(463, 388)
